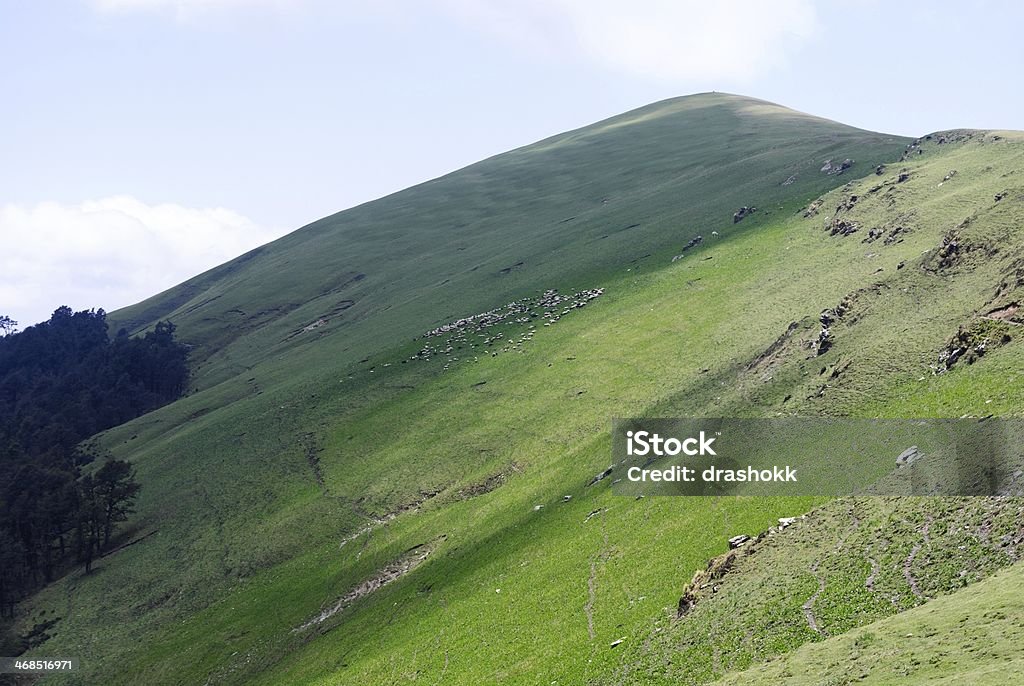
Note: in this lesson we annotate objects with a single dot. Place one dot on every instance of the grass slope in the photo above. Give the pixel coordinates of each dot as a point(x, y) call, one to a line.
point(971, 637)
point(566, 211)
point(269, 495)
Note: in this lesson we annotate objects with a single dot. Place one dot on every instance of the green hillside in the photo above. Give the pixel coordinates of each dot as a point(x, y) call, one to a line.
point(568, 211)
point(970, 638)
point(333, 505)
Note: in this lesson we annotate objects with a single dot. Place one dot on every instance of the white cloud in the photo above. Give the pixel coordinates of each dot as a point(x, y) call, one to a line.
point(110, 252)
point(732, 40)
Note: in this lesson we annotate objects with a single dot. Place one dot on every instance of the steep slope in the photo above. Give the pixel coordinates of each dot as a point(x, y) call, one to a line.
point(548, 592)
point(566, 211)
point(971, 637)
point(318, 520)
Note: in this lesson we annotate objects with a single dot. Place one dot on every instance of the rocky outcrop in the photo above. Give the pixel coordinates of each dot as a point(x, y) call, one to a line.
point(742, 213)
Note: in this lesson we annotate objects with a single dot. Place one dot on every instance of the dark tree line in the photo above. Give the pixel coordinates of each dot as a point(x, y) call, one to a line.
point(61, 382)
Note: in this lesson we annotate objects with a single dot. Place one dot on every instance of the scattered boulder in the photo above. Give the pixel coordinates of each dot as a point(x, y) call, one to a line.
point(949, 253)
point(717, 568)
point(879, 170)
point(617, 642)
point(895, 235)
point(1000, 196)
point(742, 213)
point(970, 343)
point(847, 204)
point(873, 235)
point(738, 540)
point(694, 242)
point(949, 176)
point(566, 498)
point(908, 456)
point(786, 522)
point(842, 227)
point(812, 209)
point(594, 513)
point(904, 175)
point(602, 475)
point(836, 168)
point(824, 342)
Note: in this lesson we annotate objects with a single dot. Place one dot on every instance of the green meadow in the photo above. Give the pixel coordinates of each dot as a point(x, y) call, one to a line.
point(324, 507)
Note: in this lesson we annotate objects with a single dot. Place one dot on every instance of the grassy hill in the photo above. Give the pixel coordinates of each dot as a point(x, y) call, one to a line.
point(332, 505)
point(971, 637)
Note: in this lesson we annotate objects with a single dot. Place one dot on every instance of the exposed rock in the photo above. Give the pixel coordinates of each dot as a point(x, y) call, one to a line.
point(904, 175)
point(971, 343)
point(617, 642)
point(717, 568)
point(1000, 196)
point(694, 242)
point(842, 227)
point(738, 540)
point(873, 235)
point(566, 498)
point(411, 559)
point(824, 342)
point(908, 456)
point(742, 213)
point(895, 235)
point(594, 513)
point(812, 209)
point(879, 170)
point(1005, 313)
point(830, 168)
point(847, 204)
point(785, 522)
point(949, 176)
point(602, 475)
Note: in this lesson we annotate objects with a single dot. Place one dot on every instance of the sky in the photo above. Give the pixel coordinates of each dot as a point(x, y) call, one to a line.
point(145, 141)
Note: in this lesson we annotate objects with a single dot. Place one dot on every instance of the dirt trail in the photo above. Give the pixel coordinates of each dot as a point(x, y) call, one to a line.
point(591, 596)
point(869, 583)
point(601, 557)
point(412, 559)
point(808, 606)
point(908, 573)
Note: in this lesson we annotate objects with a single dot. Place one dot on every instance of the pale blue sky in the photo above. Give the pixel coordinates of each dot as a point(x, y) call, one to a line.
point(142, 141)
